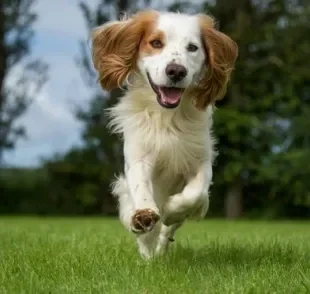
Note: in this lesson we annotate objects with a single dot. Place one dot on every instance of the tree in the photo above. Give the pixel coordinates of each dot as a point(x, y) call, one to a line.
point(251, 123)
point(291, 160)
point(20, 77)
point(86, 173)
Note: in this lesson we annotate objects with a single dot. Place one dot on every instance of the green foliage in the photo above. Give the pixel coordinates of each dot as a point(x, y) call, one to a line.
point(260, 121)
point(23, 191)
point(79, 185)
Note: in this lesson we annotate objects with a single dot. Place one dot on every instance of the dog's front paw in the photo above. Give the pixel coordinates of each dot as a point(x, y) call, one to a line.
point(143, 221)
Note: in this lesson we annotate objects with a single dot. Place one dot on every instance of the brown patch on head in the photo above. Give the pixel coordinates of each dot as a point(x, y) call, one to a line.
point(221, 52)
point(153, 41)
point(116, 47)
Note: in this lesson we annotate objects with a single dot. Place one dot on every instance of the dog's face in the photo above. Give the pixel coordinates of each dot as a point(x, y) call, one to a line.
point(172, 56)
point(173, 52)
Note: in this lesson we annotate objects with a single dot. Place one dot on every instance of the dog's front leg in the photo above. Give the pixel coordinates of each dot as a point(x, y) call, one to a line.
point(139, 180)
point(193, 201)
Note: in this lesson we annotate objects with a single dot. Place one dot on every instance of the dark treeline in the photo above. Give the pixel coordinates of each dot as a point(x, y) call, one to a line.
point(262, 124)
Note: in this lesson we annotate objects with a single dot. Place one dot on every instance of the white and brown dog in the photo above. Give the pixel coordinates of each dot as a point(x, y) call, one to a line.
point(175, 67)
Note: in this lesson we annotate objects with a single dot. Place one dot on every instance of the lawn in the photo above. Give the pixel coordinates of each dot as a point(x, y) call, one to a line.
point(54, 255)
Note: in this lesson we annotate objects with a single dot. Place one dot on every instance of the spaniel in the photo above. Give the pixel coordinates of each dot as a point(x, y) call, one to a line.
point(175, 66)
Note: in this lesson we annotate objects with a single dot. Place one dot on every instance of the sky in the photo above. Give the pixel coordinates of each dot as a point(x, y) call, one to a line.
point(50, 122)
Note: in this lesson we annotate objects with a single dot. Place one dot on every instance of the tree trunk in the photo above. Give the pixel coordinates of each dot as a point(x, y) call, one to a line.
point(233, 201)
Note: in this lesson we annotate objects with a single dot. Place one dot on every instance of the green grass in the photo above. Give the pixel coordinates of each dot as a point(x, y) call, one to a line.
point(99, 256)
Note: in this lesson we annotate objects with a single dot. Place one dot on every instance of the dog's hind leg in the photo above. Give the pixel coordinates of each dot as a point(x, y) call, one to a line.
point(157, 241)
point(147, 242)
point(165, 237)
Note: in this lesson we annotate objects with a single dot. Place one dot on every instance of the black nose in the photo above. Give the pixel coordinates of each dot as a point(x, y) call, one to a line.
point(176, 72)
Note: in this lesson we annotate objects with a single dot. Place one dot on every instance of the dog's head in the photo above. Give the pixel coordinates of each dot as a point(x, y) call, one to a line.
point(173, 52)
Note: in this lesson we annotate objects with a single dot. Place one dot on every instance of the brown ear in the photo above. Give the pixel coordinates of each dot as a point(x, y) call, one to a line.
point(115, 48)
point(222, 53)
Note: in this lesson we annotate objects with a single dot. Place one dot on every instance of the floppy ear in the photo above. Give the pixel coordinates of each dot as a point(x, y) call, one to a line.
point(221, 52)
point(115, 48)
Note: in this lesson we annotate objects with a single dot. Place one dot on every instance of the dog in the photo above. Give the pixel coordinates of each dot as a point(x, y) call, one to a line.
point(175, 66)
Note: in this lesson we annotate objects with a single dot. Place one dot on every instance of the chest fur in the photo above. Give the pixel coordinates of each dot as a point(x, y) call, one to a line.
point(176, 141)
point(176, 145)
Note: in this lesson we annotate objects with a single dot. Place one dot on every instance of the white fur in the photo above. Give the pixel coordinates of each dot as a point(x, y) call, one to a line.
point(168, 152)
point(180, 30)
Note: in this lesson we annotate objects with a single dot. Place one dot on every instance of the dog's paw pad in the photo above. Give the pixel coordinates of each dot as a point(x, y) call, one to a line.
point(144, 220)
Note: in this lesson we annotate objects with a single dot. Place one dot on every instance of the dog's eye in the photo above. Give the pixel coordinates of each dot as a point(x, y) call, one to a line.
point(157, 44)
point(192, 48)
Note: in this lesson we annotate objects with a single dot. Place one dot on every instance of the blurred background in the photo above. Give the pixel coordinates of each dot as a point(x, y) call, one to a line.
point(56, 155)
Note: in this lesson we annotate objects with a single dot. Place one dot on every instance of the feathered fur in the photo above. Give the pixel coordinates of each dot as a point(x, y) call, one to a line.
point(168, 151)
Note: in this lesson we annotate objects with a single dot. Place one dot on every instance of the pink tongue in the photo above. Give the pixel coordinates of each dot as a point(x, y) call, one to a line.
point(170, 95)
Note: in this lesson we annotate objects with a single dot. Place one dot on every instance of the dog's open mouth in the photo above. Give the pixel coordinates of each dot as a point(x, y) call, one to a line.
point(168, 97)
